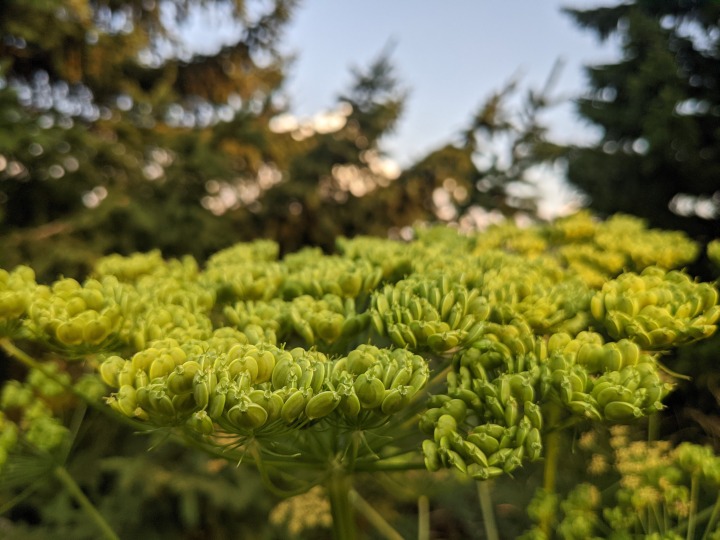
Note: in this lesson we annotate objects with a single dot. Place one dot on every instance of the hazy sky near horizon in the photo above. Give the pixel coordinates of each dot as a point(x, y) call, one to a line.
point(449, 55)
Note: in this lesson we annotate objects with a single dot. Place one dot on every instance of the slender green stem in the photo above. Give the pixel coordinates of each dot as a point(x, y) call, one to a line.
point(24, 494)
point(77, 493)
point(423, 518)
point(699, 518)
point(373, 516)
point(390, 466)
point(486, 507)
point(694, 495)
point(339, 485)
point(642, 519)
point(653, 427)
point(713, 518)
point(656, 516)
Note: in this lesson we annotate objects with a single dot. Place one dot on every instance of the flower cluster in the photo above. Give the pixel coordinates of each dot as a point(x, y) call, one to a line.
point(525, 330)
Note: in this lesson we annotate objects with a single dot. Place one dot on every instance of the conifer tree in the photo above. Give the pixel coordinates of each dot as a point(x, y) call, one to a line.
point(658, 108)
point(111, 128)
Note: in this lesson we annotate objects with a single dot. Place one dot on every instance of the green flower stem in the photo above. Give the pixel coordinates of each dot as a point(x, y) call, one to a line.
point(713, 518)
point(77, 493)
point(423, 518)
point(653, 427)
point(339, 485)
point(390, 466)
point(372, 515)
point(552, 453)
point(486, 507)
point(24, 494)
point(694, 495)
point(699, 518)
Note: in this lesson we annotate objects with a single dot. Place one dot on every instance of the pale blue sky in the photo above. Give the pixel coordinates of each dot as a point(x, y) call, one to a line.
point(449, 54)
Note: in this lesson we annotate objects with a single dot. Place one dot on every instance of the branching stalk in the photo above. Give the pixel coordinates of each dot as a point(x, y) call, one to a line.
point(339, 485)
point(88, 507)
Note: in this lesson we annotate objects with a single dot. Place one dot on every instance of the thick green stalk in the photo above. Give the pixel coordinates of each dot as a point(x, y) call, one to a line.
point(339, 485)
point(486, 507)
point(552, 453)
point(77, 493)
point(423, 518)
point(552, 449)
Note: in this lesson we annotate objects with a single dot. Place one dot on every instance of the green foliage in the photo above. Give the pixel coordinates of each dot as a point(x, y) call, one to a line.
point(657, 108)
point(115, 139)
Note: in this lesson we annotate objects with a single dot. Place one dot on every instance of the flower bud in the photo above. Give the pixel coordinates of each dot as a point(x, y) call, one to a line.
point(247, 415)
point(484, 442)
point(201, 423)
point(70, 332)
point(110, 369)
point(294, 405)
point(163, 365)
point(395, 399)
point(180, 380)
point(431, 456)
point(369, 390)
point(125, 401)
point(621, 411)
point(322, 404)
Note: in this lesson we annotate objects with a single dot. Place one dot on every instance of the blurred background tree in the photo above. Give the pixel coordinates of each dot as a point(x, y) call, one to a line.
point(116, 136)
point(111, 127)
point(658, 108)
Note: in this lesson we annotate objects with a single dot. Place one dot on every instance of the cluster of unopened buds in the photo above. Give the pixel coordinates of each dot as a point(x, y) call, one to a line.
point(255, 390)
point(72, 316)
point(316, 321)
point(251, 347)
point(26, 412)
point(428, 314)
point(491, 417)
point(16, 290)
point(657, 309)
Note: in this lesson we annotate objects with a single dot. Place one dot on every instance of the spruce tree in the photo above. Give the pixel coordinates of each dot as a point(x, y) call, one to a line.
point(659, 110)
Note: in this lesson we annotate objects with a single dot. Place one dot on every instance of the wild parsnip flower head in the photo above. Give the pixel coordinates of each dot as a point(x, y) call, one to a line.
point(310, 510)
point(631, 481)
point(588, 440)
point(677, 499)
point(619, 436)
point(645, 496)
point(598, 465)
